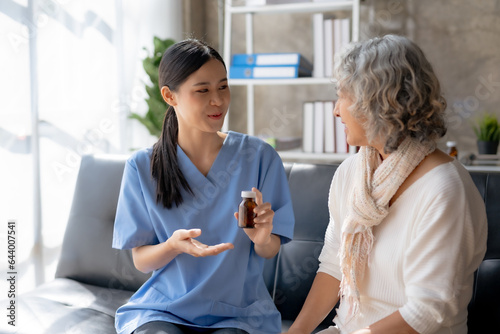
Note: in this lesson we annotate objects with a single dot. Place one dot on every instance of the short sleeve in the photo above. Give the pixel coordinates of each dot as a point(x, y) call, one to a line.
point(133, 225)
point(275, 190)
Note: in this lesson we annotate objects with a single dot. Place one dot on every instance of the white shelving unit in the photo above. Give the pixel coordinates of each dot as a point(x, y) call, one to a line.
point(305, 7)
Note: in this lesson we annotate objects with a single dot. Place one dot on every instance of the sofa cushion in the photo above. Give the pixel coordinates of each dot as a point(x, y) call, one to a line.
point(67, 306)
point(310, 186)
point(297, 261)
point(92, 218)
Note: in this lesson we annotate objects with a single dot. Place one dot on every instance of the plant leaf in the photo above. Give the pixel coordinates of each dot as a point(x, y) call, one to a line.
point(487, 128)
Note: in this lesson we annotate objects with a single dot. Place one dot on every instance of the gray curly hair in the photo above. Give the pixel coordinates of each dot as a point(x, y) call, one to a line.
point(394, 90)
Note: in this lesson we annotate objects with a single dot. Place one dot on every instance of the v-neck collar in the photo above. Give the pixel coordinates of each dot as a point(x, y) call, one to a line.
point(192, 173)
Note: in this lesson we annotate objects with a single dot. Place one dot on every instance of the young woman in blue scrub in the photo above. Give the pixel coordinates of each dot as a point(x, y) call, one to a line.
point(177, 204)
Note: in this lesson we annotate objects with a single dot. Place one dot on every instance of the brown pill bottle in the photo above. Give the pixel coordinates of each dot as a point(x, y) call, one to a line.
point(245, 210)
point(452, 149)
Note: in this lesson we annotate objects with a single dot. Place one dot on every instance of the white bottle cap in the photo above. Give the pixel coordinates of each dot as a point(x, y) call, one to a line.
point(248, 194)
point(451, 143)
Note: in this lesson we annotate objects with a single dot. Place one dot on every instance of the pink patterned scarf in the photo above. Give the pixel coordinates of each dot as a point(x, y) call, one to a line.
point(376, 183)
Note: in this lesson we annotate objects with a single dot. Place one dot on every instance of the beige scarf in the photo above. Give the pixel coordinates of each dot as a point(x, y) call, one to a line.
point(376, 183)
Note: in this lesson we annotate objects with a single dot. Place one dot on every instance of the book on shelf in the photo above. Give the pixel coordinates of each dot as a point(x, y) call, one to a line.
point(318, 46)
point(484, 159)
point(487, 156)
point(272, 59)
point(341, 145)
point(328, 46)
point(308, 127)
point(267, 72)
point(319, 129)
point(322, 131)
point(335, 34)
point(345, 33)
point(329, 127)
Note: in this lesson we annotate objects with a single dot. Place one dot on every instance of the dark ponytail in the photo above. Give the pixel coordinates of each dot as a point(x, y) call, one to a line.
point(164, 167)
point(177, 64)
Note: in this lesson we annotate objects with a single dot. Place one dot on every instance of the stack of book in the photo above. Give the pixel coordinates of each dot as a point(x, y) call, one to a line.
point(484, 159)
point(269, 66)
point(330, 35)
point(322, 132)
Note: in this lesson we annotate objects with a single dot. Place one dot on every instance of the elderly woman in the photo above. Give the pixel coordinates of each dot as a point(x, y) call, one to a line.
point(407, 224)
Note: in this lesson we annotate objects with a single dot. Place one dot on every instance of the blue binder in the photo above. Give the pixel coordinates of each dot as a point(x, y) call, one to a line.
point(272, 59)
point(267, 72)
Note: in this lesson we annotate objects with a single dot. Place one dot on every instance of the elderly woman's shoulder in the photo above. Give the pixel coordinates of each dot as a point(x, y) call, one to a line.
point(446, 172)
point(347, 168)
point(435, 159)
point(432, 161)
point(348, 163)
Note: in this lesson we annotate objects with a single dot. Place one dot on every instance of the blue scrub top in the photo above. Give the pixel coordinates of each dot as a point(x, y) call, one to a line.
point(226, 290)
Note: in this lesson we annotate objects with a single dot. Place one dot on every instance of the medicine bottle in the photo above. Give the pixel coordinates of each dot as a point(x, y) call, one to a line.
point(245, 210)
point(452, 149)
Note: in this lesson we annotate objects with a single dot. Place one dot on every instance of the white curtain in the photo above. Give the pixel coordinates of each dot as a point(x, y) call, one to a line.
point(86, 77)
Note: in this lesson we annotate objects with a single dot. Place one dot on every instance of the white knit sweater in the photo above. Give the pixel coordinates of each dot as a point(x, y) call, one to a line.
point(424, 255)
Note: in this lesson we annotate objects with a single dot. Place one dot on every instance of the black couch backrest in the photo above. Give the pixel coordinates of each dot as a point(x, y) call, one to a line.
point(488, 185)
point(86, 254)
point(288, 276)
point(484, 308)
point(297, 261)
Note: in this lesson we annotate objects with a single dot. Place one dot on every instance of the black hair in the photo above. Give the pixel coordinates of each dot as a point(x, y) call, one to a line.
point(178, 62)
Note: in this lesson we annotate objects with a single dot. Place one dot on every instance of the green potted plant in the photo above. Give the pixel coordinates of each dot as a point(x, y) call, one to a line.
point(153, 119)
point(487, 130)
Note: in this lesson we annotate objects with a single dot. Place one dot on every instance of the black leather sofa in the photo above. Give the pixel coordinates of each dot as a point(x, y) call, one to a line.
point(93, 280)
